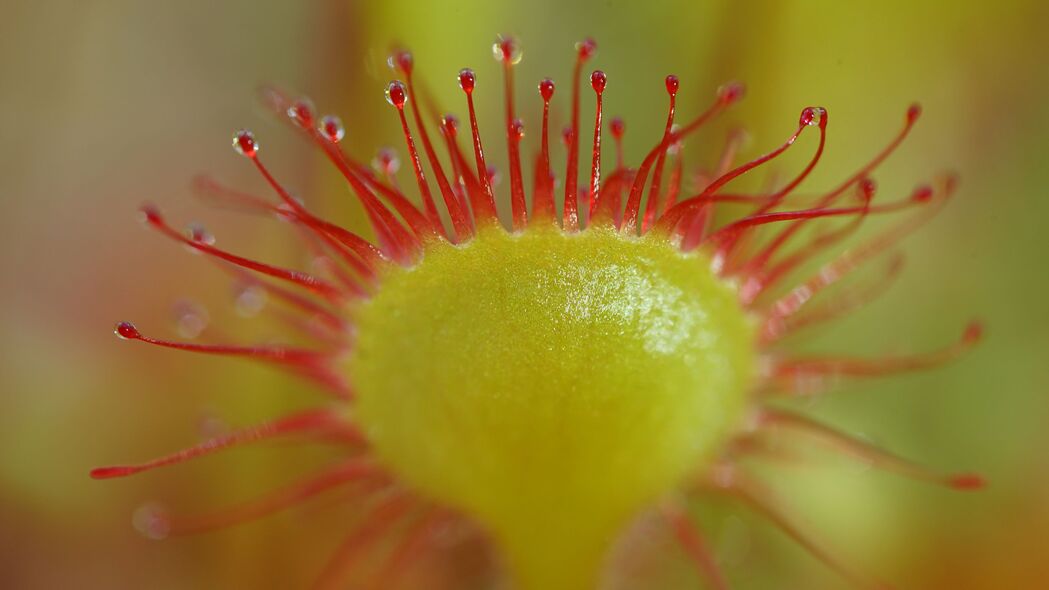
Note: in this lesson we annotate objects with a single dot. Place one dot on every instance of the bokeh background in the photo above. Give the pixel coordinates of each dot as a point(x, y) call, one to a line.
point(106, 104)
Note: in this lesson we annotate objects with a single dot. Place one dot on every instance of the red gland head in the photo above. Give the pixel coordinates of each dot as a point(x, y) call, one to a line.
point(467, 79)
point(450, 125)
point(672, 84)
point(598, 80)
point(586, 48)
point(813, 116)
point(397, 94)
point(127, 331)
point(546, 89)
point(731, 92)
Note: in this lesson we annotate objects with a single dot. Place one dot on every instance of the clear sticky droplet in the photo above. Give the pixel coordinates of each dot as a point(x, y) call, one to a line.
point(127, 331)
point(331, 128)
point(302, 113)
point(191, 319)
point(546, 89)
point(151, 521)
point(731, 92)
point(517, 129)
point(401, 60)
point(397, 94)
point(199, 234)
point(244, 143)
point(813, 116)
point(598, 81)
point(506, 49)
point(675, 147)
point(450, 125)
point(150, 215)
point(386, 161)
point(467, 80)
point(672, 84)
point(250, 300)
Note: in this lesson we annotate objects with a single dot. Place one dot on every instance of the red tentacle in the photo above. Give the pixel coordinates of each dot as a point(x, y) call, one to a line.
point(352, 471)
point(761, 501)
point(598, 80)
point(570, 218)
point(694, 545)
point(727, 95)
point(806, 369)
point(310, 421)
point(543, 200)
point(467, 81)
point(672, 84)
point(304, 280)
point(459, 216)
point(863, 450)
point(378, 518)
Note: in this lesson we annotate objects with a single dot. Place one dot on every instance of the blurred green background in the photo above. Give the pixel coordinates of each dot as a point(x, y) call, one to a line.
point(106, 104)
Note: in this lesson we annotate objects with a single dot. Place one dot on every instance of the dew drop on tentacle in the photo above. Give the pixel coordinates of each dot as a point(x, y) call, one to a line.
point(331, 128)
point(586, 48)
point(467, 80)
point(199, 234)
point(731, 92)
point(598, 81)
point(546, 89)
point(191, 319)
point(249, 299)
point(127, 331)
point(396, 94)
point(245, 144)
point(450, 125)
point(813, 116)
point(402, 61)
point(517, 130)
point(386, 161)
point(151, 520)
point(672, 83)
point(302, 113)
point(506, 49)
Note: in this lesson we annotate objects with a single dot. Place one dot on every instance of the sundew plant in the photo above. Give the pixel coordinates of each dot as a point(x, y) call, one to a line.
point(542, 368)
